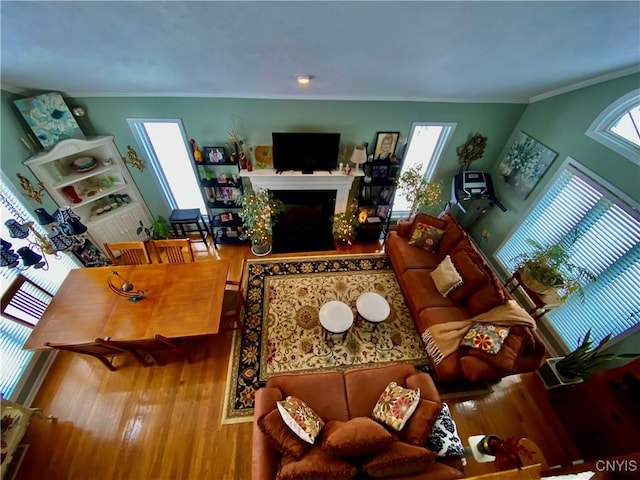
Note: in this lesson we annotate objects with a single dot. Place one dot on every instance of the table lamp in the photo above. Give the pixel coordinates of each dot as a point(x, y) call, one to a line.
point(358, 156)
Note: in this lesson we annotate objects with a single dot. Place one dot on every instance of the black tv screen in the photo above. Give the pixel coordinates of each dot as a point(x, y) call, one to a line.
point(305, 151)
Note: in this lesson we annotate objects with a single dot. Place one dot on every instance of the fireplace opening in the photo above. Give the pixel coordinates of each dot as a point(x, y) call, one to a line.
point(305, 225)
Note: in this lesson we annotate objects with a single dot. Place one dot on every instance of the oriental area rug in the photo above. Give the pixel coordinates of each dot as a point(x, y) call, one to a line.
point(283, 332)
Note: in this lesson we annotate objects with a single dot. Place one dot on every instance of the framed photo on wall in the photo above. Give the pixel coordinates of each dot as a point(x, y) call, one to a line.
point(385, 145)
point(525, 163)
point(213, 155)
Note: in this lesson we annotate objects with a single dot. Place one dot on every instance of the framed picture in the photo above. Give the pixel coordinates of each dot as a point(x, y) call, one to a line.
point(525, 163)
point(379, 171)
point(385, 145)
point(226, 217)
point(385, 194)
point(394, 172)
point(214, 155)
point(49, 119)
point(382, 211)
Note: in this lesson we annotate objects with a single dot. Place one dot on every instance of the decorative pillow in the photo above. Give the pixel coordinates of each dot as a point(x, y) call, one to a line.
point(357, 437)
point(469, 265)
point(281, 436)
point(485, 336)
point(425, 236)
point(397, 460)
point(453, 234)
point(446, 277)
point(316, 465)
point(300, 418)
point(444, 438)
point(488, 297)
point(417, 429)
point(396, 405)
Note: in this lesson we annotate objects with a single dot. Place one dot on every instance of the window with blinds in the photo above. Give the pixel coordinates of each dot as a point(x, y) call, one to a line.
point(609, 247)
point(14, 361)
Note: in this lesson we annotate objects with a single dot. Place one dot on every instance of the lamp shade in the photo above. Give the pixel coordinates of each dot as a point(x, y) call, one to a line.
point(61, 242)
point(30, 258)
point(359, 155)
point(8, 258)
point(16, 230)
point(65, 214)
point(43, 217)
point(73, 227)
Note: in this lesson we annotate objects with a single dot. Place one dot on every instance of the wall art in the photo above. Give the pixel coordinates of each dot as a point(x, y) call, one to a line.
point(385, 145)
point(49, 119)
point(525, 163)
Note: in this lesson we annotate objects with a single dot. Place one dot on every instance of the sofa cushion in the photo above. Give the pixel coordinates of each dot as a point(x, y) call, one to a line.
point(422, 291)
point(485, 336)
point(446, 277)
point(396, 405)
point(316, 465)
point(444, 438)
point(358, 437)
point(404, 257)
point(453, 235)
point(301, 419)
point(332, 405)
point(397, 460)
point(364, 385)
point(281, 436)
point(417, 429)
point(425, 236)
point(469, 266)
point(490, 296)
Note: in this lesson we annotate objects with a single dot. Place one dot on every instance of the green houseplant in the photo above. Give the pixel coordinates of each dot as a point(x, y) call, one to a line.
point(421, 194)
point(549, 269)
point(259, 210)
point(581, 363)
point(158, 230)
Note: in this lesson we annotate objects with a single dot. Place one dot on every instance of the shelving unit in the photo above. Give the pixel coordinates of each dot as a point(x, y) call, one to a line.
point(220, 185)
point(15, 420)
point(103, 193)
point(376, 191)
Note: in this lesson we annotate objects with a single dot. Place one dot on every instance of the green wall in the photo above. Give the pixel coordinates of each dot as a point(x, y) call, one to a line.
point(208, 120)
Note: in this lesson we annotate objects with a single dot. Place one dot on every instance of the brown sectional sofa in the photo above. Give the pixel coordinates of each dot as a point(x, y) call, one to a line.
point(340, 396)
point(522, 350)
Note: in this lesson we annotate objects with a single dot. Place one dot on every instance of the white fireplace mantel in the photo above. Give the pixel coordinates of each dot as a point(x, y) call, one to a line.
point(293, 180)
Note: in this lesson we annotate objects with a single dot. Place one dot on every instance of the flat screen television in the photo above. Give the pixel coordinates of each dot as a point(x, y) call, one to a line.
point(305, 151)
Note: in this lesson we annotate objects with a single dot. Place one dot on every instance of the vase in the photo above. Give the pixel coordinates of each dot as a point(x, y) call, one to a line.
point(72, 194)
point(550, 377)
point(534, 284)
point(261, 249)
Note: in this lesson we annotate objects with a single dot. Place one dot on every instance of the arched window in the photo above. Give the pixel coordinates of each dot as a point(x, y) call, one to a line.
point(618, 126)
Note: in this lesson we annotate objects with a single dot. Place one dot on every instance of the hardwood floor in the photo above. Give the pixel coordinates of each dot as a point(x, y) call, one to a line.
point(164, 422)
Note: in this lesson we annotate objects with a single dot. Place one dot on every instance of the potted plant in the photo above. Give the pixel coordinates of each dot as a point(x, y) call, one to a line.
point(259, 210)
point(579, 364)
point(344, 227)
point(158, 230)
point(421, 194)
point(548, 270)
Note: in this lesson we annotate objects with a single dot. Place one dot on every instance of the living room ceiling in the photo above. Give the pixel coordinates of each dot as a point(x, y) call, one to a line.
point(450, 51)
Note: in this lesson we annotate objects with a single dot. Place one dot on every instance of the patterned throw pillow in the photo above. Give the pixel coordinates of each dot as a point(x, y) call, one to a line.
point(485, 336)
point(444, 438)
point(396, 405)
point(446, 277)
point(425, 236)
point(300, 418)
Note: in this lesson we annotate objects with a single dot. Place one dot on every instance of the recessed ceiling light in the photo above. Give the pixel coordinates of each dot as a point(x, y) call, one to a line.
point(304, 79)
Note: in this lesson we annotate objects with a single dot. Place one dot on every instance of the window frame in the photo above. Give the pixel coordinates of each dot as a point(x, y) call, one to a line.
point(600, 128)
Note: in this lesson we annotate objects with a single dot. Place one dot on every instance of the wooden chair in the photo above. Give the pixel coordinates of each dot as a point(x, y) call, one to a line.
point(128, 253)
point(95, 349)
point(175, 250)
point(231, 317)
point(25, 301)
point(148, 347)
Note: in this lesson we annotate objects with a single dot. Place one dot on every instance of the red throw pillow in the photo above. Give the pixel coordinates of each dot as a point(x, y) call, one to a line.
point(469, 266)
point(397, 460)
point(419, 426)
point(358, 437)
point(488, 297)
point(316, 464)
point(280, 435)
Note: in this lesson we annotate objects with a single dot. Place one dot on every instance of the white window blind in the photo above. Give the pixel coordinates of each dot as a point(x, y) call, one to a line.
point(609, 247)
point(14, 361)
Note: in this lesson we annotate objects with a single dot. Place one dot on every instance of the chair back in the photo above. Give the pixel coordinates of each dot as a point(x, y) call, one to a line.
point(25, 301)
point(128, 253)
point(174, 250)
point(233, 301)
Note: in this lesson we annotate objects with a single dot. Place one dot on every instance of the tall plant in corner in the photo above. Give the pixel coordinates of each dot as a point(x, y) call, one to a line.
point(259, 210)
point(421, 194)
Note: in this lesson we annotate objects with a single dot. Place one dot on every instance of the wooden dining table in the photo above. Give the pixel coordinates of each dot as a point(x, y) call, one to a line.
point(181, 300)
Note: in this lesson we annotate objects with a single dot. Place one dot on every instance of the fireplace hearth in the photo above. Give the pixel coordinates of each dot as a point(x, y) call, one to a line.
point(305, 225)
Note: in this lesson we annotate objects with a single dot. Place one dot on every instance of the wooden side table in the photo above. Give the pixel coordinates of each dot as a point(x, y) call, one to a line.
point(540, 305)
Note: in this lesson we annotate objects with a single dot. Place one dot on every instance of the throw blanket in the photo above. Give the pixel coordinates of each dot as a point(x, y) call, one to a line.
point(443, 339)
